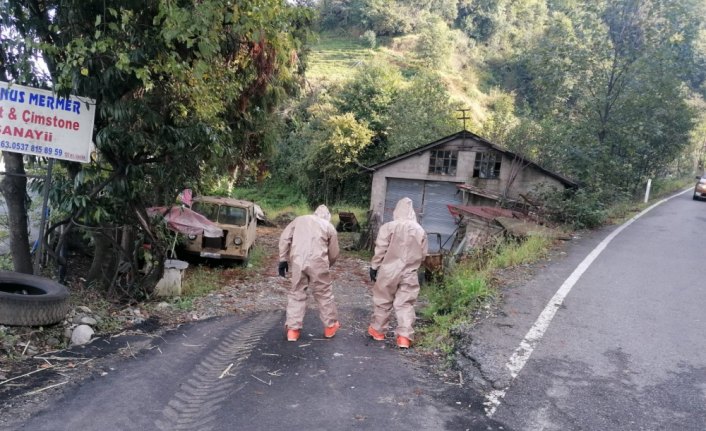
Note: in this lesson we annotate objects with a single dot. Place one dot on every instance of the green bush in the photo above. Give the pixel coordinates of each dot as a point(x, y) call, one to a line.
point(580, 209)
point(6, 262)
point(525, 252)
point(200, 281)
point(665, 186)
point(369, 38)
point(273, 196)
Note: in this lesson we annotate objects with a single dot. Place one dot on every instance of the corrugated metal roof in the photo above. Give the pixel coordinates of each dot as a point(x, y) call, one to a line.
point(483, 212)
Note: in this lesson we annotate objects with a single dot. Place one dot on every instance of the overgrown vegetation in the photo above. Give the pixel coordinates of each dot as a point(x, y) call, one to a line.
point(468, 285)
point(221, 96)
point(184, 94)
point(274, 198)
point(199, 282)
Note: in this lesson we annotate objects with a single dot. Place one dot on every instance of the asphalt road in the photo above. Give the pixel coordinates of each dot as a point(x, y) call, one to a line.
point(238, 373)
point(627, 348)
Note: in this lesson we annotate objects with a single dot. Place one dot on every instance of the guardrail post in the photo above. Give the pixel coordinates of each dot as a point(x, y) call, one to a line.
point(647, 191)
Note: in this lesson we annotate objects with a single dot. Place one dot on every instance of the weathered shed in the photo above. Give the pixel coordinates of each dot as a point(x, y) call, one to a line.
point(460, 169)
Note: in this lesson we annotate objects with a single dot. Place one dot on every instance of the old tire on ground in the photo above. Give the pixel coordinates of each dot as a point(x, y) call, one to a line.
point(28, 300)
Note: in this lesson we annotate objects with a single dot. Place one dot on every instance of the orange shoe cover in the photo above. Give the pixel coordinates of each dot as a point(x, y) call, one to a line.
point(403, 342)
point(377, 336)
point(293, 334)
point(331, 330)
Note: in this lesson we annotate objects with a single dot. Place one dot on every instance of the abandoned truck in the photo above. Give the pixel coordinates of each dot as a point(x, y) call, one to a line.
point(237, 219)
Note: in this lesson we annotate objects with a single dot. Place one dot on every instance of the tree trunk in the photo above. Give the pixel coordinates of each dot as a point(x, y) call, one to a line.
point(14, 189)
point(105, 256)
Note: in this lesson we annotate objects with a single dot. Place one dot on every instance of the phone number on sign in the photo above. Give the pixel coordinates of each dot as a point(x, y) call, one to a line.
point(36, 149)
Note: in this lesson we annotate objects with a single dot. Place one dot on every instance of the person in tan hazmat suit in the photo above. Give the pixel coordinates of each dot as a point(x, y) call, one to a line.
point(310, 244)
point(400, 248)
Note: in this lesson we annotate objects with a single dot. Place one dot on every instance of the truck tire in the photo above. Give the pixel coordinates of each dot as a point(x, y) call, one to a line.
point(28, 300)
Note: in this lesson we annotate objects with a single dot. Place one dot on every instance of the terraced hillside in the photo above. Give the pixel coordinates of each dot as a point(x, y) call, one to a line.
point(335, 58)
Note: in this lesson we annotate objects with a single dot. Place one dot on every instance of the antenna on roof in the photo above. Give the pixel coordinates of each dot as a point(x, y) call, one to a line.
point(464, 116)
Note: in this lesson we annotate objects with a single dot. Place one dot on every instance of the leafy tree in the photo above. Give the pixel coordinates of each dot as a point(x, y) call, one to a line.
point(369, 38)
point(322, 154)
point(370, 95)
point(603, 71)
point(180, 89)
point(498, 126)
point(387, 17)
point(423, 113)
point(342, 140)
point(504, 26)
point(479, 18)
point(435, 44)
point(337, 14)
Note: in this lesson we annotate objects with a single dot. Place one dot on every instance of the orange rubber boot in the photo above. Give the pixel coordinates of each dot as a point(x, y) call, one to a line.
point(331, 330)
point(293, 334)
point(403, 342)
point(377, 336)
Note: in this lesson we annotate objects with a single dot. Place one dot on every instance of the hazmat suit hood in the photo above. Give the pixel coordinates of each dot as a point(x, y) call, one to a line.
point(310, 241)
point(401, 243)
point(404, 210)
point(323, 212)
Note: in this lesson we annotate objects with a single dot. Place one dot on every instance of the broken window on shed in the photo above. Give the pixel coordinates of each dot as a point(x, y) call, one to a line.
point(443, 162)
point(487, 165)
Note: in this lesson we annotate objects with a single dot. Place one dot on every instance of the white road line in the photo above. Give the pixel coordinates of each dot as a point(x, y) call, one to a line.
point(523, 352)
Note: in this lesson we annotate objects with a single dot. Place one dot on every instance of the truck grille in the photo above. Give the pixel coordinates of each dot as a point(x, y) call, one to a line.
point(214, 242)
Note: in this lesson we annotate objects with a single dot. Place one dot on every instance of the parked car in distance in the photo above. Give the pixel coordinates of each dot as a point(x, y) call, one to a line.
point(238, 221)
point(700, 188)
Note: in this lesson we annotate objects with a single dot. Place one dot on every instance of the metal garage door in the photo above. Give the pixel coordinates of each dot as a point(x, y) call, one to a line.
point(436, 216)
point(430, 199)
point(398, 189)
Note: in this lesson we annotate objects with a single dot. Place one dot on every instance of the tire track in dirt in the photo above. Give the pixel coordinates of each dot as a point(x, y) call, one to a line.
point(201, 396)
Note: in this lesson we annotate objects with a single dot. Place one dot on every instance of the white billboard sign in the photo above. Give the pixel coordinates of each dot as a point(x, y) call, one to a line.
point(39, 122)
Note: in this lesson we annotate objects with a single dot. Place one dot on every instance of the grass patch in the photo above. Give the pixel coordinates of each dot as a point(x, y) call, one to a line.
point(528, 251)
point(107, 324)
point(662, 187)
point(257, 257)
point(469, 285)
point(620, 212)
point(623, 210)
point(335, 58)
point(200, 282)
point(272, 195)
point(275, 199)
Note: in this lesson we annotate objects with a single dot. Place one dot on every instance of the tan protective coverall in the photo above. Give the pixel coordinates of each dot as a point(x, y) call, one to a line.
point(400, 248)
point(310, 244)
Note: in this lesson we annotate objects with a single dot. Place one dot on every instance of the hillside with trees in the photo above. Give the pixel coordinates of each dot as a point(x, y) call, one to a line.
point(303, 96)
point(607, 93)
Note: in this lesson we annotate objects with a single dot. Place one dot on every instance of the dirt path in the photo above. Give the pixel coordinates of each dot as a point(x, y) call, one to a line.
point(245, 291)
point(250, 290)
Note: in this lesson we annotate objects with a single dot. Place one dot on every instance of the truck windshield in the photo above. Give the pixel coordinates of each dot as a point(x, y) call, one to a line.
point(221, 213)
point(210, 211)
point(232, 215)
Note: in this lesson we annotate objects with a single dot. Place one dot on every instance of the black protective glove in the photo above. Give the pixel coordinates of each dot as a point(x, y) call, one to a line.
point(283, 268)
point(373, 274)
